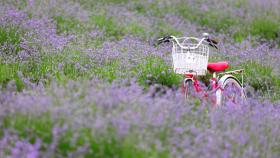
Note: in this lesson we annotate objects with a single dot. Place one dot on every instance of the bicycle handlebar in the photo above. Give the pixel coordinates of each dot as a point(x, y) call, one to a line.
point(210, 42)
point(186, 47)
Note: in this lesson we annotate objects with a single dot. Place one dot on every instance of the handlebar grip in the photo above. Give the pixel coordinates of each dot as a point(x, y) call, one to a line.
point(213, 41)
point(210, 40)
point(213, 45)
point(163, 40)
point(159, 42)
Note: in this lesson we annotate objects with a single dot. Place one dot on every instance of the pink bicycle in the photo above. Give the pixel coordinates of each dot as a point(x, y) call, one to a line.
point(190, 58)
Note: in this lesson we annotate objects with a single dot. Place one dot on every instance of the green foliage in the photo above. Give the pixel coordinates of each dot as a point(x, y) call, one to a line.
point(18, 4)
point(155, 71)
point(44, 70)
point(140, 8)
point(60, 67)
point(124, 148)
point(9, 72)
point(109, 26)
point(113, 1)
point(30, 127)
point(186, 12)
point(213, 19)
point(260, 26)
point(260, 77)
point(239, 3)
point(240, 36)
point(11, 37)
point(157, 11)
point(152, 8)
point(108, 71)
point(135, 29)
point(105, 145)
point(264, 27)
point(67, 25)
point(163, 29)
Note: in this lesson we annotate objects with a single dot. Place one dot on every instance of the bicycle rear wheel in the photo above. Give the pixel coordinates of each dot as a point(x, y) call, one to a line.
point(230, 91)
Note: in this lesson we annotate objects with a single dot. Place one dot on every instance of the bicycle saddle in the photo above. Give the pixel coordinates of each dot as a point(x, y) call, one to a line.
point(218, 66)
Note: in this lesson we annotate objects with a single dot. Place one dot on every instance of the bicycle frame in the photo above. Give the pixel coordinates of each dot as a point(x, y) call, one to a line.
point(215, 82)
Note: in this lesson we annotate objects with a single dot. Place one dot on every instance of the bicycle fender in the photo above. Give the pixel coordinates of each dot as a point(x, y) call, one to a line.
point(225, 77)
point(186, 80)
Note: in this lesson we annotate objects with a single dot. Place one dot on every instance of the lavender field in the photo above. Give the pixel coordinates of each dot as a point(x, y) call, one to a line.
point(82, 78)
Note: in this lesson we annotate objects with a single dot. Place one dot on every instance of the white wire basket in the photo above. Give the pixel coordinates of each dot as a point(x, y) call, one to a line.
point(190, 56)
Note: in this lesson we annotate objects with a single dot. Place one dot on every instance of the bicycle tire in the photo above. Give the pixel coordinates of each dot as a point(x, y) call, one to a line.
point(188, 89)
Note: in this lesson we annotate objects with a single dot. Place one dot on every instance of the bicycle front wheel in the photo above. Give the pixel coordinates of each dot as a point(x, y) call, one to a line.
point(230, 91)
point(188, 89)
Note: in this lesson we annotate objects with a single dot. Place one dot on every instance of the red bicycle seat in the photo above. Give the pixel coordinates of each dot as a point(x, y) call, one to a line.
point(218, 66)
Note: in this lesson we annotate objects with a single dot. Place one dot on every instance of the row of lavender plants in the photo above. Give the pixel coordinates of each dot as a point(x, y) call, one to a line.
point(83, 79)
point(93, 119)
